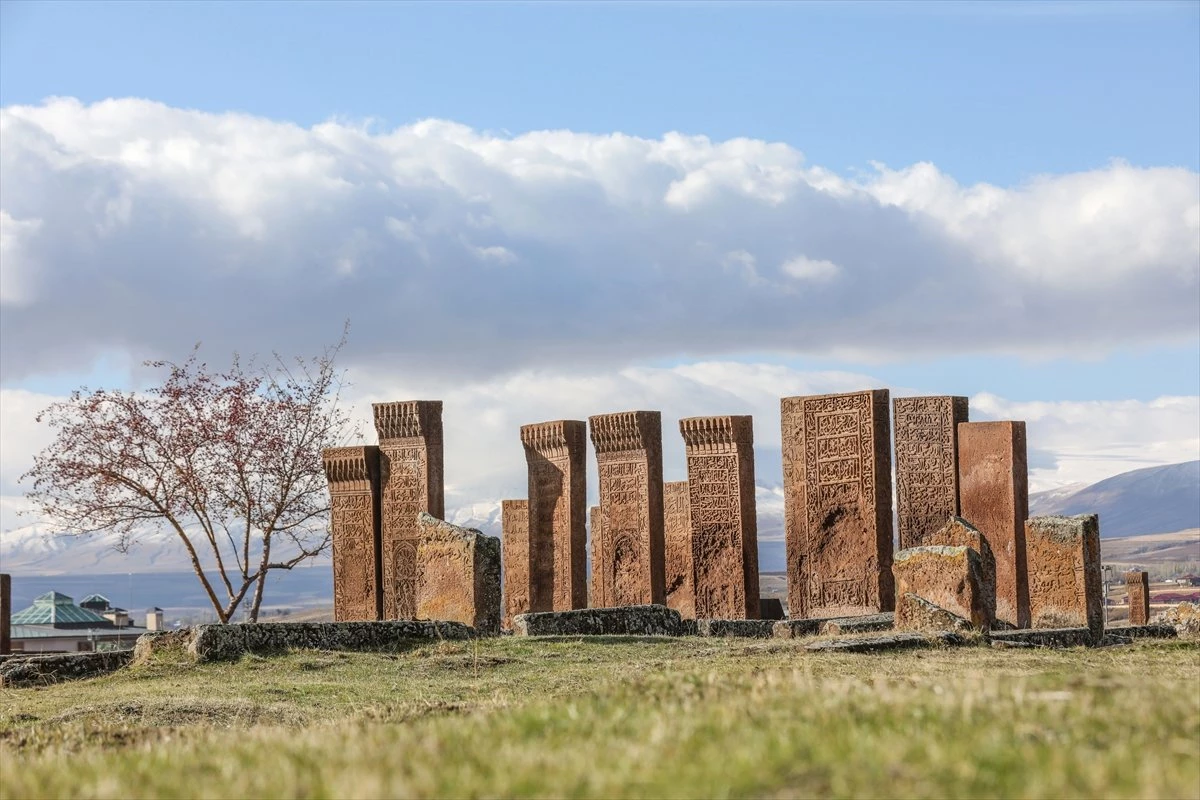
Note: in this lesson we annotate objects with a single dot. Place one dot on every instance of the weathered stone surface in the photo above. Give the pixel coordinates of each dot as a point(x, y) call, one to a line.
point(1065, 589)
point(555, 453)
point(915, 613)
point(58, 667)
point(1137, 584)
point(957, 532)
point(458, 575)
point(896, 641)
point(353, 476)
point(994, 495)
point(949, 578)
point(514, 529)
point(864, 624)
point(629, 461)
point(5, 614)
point(1045, 637)
point(737, 628)
point(797, 628)
point(410, 458)
point(926, 431)
point(724, 517)
point(770, 608)
point(595, 589)
point(1150, 631)
point(677, 536)
point(1185, 618)
point(838, 503)
point(229, 642)
point(643, 620)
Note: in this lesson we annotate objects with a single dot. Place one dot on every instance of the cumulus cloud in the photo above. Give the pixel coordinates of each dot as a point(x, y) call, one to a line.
point(130, 225)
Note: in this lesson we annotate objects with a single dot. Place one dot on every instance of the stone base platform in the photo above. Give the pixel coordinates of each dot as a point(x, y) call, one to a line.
point(647, 620)
point(743, 628)
point(895, 641)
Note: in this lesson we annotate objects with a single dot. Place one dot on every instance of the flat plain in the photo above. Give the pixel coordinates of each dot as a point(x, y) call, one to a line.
point(618, 717)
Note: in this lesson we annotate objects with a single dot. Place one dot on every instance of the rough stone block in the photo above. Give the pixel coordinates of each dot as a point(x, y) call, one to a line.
point(629, 463)
point(677, 527)
point(555, 453)
point(797, 628)
point(864, 624)
point(229, 642)
point(837, 481)
point(994, 495)
point(1137, 584)
point(514, 552)
point(1045, 637)
point(949, 578)
point(644, 620)
point(724, 519)
point(411, 482)
point(353, 476)
point(896, 641)
point(957, 532)
point(458, 575)
point(1065, 581)
point(1149, 631)
point(926, 465)
point(915, 613)
point(737, 628)
point(58, 667)
point(770, 608)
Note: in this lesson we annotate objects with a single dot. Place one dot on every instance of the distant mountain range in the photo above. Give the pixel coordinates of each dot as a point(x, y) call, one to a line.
point(1151, 500)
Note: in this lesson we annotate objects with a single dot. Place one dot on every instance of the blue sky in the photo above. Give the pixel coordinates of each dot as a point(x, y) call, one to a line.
point(1034, 233)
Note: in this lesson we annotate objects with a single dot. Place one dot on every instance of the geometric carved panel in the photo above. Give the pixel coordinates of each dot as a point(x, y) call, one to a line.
point(926, 430)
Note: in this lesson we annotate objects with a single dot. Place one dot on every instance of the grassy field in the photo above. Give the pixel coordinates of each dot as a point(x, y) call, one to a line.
point(619, 717)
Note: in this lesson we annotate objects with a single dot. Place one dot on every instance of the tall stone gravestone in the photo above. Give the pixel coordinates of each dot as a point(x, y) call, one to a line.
point(994, 497)
point(5, 614)
point(353, 475)
point(595, 587)
point(677, 527)
point(1065, 589)
point(1137, 584)
point(926, 431)
point(554, 452)
point(514, 528)
point(629, 459)
point(458, 575)
point(837, 481)
point(720, 459)
point(410, 448)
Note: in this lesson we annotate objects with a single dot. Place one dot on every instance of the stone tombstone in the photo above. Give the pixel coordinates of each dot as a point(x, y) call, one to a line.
point(353, 475)
point(677, 527)
point(957, 532)
point(837, 482)
point(555, 453)
point(410, 456)
point(5, 614)
point(514, 528)
point(595, 590)
point(724, 518)
point(994, 496)
point(1065, 579)
point(926, 431)
point(458, 575)
point(947, 577)
point(1138, 586)
point(629, 460)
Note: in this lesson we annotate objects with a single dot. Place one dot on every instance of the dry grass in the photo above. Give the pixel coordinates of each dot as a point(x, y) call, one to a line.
point(619, 717)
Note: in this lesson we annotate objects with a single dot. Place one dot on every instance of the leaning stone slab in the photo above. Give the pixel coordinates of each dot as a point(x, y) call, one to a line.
point(645, 620)
point(919, 614)
point(950, 578)
point(42, 670)
point(864, 624)
point(230, 642)
point(1045, 637)
point(458, 575)
point(897, 641)
point(742, 628)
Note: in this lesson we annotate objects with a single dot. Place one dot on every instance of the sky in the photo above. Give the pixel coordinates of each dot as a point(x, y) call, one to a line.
point(541, 210)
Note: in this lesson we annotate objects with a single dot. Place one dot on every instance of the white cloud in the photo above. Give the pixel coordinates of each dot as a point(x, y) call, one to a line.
point(809, 269)
point(136, 226)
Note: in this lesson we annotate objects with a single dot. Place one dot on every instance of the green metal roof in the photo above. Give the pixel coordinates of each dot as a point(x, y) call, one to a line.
point(53, 608)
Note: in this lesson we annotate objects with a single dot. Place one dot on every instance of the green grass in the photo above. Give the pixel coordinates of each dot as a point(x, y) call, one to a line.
point(619, 717)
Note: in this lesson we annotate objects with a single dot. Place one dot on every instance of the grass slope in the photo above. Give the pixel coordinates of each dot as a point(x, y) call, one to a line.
point(619, 717)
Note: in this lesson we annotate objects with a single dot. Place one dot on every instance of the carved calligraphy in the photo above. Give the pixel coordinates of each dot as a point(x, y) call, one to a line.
point(514, 521)
point(926, 430)
point(555, 452)
point(353, 476)
point(677, 527)
point(1065, 588)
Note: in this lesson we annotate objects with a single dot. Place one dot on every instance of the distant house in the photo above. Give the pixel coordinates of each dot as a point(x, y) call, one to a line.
point(55, 624)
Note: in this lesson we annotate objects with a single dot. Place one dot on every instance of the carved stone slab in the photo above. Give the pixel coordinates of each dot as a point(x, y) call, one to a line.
point(514, 521)
point(1065, 588)
point(555, 453)
point(353, 475)
point(677, 527)
point(5, 614)
point(957, 532)
point(458, 575)
point(595, 585)
point(896, 641)
point(1138, 586)
point(724, 519)
point(926, 431)
point(410, 448)
point(837, 481)
point(950, 578)
point(629, 460)
point(993, 495)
